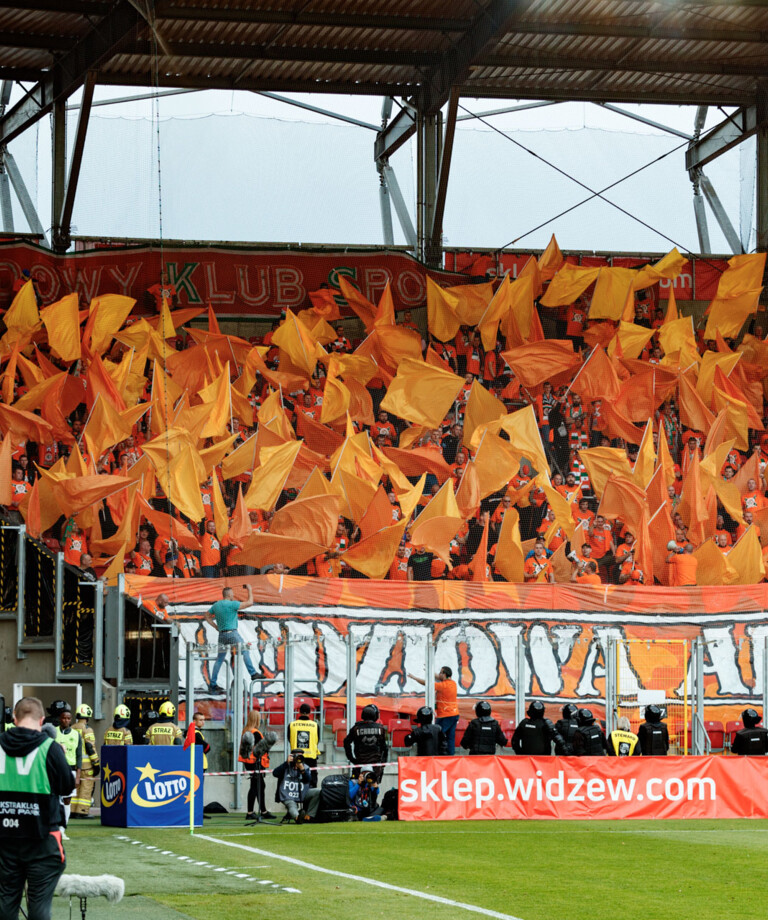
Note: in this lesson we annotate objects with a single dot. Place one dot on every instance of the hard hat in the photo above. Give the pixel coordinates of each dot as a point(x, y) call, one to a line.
point(167, 709)
point(84, 711)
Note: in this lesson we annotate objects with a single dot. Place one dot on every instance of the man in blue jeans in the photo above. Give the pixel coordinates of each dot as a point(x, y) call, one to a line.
point(223, 616)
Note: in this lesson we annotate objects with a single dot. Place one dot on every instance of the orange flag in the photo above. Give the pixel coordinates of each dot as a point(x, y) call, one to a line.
point(318, 437)
point(509, 550)
point(378, 515)
point(597, 379)
point(746, 560)
point(442, 312)
point(312, 519)
point(270, 476)
point(568, 284)
point(726, 385)
point(6, 455)
point(418, 460)
point(365, 310)
point(98, 382)
point(262, 549)
point(32, 516)
point(62, 323)
point(479, 564)
point(167, 526)
point(502, 303)
point(693, 412)
point(296, 341)
point(618, 425)
point(240, 527)
point(438, 523)
point(613, 288)
point(420, 393)
point(551, 260)
point(642, 394)
point(692, 507)
point(496, 462)
point(536, 362)
point(374, 554)
point(468, 495)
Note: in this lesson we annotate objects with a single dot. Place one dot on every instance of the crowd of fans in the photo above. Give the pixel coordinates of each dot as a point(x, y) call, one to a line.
point(602, 552)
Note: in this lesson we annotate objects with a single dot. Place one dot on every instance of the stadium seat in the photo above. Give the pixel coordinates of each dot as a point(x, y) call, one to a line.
point(398, 729)
point(339, 733)
point(716, 734)
point(298, 700)
point(333, 711)
point(274, 707)
point(730, 732)
point(461, 726)
point(508, 727)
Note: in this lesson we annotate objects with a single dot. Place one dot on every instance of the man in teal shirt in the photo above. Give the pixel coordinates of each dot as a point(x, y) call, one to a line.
point(223, 616)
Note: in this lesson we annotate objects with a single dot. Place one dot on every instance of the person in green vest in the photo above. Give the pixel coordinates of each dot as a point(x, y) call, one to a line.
point(34, 773)
point(71, 742)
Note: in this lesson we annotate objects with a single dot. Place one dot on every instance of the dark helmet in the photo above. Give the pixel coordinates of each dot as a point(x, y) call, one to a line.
point(370, 713)
point(536, 710)
point(482, 709)
point(586, 717)
point(57, 707)
point(570, 712)
point(750, 718)
point(425, 715)
point(652, 713)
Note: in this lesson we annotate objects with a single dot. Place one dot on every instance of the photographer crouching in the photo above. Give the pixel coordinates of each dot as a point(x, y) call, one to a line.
point(294, 789)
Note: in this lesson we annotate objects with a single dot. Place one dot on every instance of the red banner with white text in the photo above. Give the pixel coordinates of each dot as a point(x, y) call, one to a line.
point(236, 280)
point(504, 788)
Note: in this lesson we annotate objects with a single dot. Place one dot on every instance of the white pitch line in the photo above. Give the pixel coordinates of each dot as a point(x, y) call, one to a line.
point(365, 881)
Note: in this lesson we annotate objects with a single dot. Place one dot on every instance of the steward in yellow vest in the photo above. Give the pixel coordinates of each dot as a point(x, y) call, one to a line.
point(303, 735)
point(622, 742)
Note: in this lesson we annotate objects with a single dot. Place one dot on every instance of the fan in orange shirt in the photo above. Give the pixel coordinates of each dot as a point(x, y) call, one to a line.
point(586, 576)
point(684, 565)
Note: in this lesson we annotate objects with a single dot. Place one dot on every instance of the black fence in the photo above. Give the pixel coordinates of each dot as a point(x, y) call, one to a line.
point(9, 581)
point(147, 650)
point(77, 621)
point(39, 591)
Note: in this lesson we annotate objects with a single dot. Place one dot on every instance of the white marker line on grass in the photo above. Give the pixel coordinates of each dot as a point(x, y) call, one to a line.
point(203, 865)
point(365, 881)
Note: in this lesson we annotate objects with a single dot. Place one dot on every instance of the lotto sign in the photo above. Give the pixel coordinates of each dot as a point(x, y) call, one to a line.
point(150, 787)
point(477, 788)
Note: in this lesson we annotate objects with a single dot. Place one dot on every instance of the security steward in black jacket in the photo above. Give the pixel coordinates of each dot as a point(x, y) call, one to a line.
point(752, 740)
point(366, 742)
point(653, 734)
point(483, 733)
point(566, 728)
point(535, 735)
point(589, 738)
point(34, 773)
point(429, 739)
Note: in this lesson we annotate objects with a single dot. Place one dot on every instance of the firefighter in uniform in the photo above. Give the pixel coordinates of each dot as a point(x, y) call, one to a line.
point(653, 734)
point(484, 732)
point(753, 738)
point(622, 741)
point(119, 733)
point(34, 774)
point(71, 743)
point(366, 742)
point(165, 730)
point(589, 738)
point(534, 736)
point(303, 736)
point(566, 728)
point(90, 769)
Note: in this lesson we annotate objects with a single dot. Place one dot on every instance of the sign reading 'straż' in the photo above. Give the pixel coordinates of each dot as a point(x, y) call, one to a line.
point(448, 788)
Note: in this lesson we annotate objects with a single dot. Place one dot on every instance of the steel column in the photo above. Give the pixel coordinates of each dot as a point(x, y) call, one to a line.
point(429, 674)
point(98, 648)
point(58, 165)
point(520, 668)
point(724, 222)
point(698, 743)
point(21, 568)
point(27, 207)
point(762, 166)
point(611, 700)
point(351, 680)
point(62, 217)
point(237, 720)
point(6, 208)
point(434, 248)
point(58, 622)
point(700, 212)
point(288, 693)
point(428, 145)
point(401, 209)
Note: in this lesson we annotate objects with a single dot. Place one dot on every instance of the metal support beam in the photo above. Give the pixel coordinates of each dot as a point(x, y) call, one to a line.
point(720, 213)
point(385, 205)
point(22, 194)
point(534, 60)
point(394, 135)
point(68, 73)
point(62, 215)
point(506, 111)
point(429, 673)
point(645, 121)
point(6, 208)
point(434, 248)
point(21, 570)
point(351, 680)
point(58, 168)
point(521, 665)
point(700, 212)
point(429, 141)
point(762, 167)
point(401, 209)
point(728, 134)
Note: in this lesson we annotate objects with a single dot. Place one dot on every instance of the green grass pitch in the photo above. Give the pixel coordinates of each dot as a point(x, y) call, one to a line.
point(535, 870)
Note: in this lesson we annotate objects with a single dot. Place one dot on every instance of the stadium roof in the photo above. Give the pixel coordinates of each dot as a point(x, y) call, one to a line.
point(675, 51)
